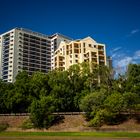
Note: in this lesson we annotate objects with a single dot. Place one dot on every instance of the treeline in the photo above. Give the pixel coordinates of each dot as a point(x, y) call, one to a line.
point(84, 87)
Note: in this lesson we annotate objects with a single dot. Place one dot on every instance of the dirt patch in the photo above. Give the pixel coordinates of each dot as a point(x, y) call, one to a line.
point(130, 125)
point(13, 121)
point(70, 123)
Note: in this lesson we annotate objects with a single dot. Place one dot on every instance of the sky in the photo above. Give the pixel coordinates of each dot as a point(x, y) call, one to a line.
point(115, 23)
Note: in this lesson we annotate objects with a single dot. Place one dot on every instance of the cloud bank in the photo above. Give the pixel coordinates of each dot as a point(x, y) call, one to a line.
point(121, 59)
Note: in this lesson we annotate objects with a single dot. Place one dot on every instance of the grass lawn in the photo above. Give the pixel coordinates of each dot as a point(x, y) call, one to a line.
point(90, 134)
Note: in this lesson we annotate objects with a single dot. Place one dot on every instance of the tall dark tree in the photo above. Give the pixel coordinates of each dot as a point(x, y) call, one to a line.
point(133, 78)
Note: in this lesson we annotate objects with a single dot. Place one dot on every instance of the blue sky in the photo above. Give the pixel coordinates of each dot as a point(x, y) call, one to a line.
point(113, 22)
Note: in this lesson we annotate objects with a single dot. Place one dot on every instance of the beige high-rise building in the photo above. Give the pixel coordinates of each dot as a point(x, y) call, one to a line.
point(78, 51)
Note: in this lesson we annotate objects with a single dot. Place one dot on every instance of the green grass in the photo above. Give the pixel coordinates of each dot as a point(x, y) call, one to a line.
point(94, 134)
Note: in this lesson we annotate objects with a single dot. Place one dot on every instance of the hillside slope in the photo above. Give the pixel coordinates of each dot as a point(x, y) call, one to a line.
point(70, 123)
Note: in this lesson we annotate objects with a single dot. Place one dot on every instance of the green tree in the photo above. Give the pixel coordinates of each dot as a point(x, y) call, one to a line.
point(41, 112)
point(132, 102)
point(92, 103)
point(17, 98)
point(61, 90)
point(89, 73)
point(114, 103)
point(105, 77)
point(4, 89)
point(39, 85)
point(133, 78)
point(75, 83)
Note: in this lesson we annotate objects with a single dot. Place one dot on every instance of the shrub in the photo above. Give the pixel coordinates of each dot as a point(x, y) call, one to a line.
point(3, 126)
point(27, 124)
point(99, 118)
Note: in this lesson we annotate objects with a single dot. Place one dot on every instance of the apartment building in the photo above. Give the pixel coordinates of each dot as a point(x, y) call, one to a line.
point(56, 39)
point(78, 51)
point(109, 62)
point(22, 49)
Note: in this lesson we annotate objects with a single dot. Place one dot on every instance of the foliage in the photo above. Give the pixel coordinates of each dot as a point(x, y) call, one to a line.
point(84, 87)
point(133, 78)
point(41, 112)
point(27, 124)
point(3, 126)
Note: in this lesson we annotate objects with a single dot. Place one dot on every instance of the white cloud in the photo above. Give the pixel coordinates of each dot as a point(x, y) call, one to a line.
point(125, 61)
point(115, 52)
point(135, 31)
point(121, 60)
point(116, 49)
point(137, 53)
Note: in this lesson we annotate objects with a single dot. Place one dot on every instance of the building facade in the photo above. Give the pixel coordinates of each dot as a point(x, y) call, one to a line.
point(56, 39)
point(22, 49)
point(109, 62)
point(78, 51)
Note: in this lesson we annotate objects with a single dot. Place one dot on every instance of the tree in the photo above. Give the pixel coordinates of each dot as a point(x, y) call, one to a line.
point(76, 82)
point(4, 90)
point(105, 77)
point(114, 103)
point(92, 103)
point(18, 97)
point(133, 78)
point(61, 90)
point(39, 85)
point(41, 112)
point(132, 102)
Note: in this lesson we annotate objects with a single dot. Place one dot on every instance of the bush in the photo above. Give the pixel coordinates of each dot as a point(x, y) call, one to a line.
point(3, 126)
point(99, 118)
point(27, 124)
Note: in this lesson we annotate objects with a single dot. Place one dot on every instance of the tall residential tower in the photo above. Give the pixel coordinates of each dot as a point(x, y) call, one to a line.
point(23, 49)
point(78, 51)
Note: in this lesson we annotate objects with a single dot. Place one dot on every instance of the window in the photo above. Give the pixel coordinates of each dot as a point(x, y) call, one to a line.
point(84, 44)
point(89, 45)
point(84, 50)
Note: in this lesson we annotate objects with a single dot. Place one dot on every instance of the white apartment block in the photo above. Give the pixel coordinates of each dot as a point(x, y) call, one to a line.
point(22, 49)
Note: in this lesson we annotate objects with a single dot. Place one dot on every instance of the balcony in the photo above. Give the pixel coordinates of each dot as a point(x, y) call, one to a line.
point(93, 56)
point(101, 60)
